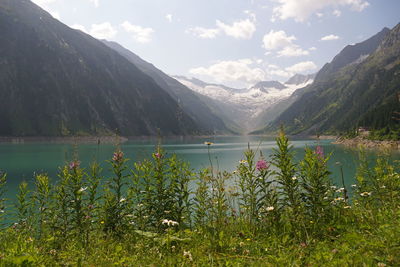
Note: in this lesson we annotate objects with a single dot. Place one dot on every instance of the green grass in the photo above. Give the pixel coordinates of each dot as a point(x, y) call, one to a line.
point(146, 215)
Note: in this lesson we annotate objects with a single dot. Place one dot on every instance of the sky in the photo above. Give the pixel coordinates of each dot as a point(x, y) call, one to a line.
point(231, 42)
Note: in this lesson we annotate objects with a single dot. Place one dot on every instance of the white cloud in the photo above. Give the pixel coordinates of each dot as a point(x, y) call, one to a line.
point(169, 17)
point(79, 27)
point(43, 2)
point(313, 48)
point(204, 33)
point(301, 10)
point(301, 67)
point(337, 13)
point(140, 34)
point(319, 15)
point(55, 14)
point(292, 51)
point(242, 29)
point(330, 37)
point(95, 2)
point(102, 31)
point(232, 71)
point(274, 70)
point(275, 40)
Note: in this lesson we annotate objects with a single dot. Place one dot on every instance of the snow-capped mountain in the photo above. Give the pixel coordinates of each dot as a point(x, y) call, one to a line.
point(251, 101)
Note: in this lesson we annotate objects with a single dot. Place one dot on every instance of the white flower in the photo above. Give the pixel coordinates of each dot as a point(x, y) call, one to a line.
point(325, 198)
point(354, 185)
point(188, 255)
point(340, 190)
point(339, 199)
point(122, 200)
point(1, 211)
point(333, 187)
point(347, 207)
point(365, 194)
point(82, 189)
point(243, 161)
point(169, 222)
point(383, 186)
point(270, 208)
point(294, 178)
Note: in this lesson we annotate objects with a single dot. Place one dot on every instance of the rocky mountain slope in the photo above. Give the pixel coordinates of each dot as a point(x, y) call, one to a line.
point(191, 103)
point(57, 81)
point(360, 87)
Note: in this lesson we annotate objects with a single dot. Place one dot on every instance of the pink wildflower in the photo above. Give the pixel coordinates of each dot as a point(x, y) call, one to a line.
point(74, 164)
point(158, 155)
point(118, 155)
point(261, 165)
point(320, 152)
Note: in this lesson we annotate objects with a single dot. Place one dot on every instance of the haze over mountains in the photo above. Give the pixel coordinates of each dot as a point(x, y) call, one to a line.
point(247, 105)
point(56, 81)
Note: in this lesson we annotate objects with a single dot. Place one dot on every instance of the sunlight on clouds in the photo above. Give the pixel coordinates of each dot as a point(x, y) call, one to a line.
point(102, 31)
point(242, 29)
point(301, 10)
point(203, 33)
point(275, 40)
point(228, 71)
point(95, 2)
point(43, 2)
point(330, 37)
point(292, 51)
point(302, 67)
point(168, 17)
point(79, 27)
point(140, 34)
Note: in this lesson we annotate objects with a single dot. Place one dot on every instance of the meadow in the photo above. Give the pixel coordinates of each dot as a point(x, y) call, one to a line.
point(273, 211)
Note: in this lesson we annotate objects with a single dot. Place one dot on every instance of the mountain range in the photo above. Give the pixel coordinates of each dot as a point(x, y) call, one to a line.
point(247, 106)
point(57, 81)
point(359, 88)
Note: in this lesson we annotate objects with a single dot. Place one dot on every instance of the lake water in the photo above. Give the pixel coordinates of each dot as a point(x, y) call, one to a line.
point(21, 161)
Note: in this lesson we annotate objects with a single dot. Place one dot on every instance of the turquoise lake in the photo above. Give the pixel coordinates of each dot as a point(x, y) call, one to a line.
point(21, 161)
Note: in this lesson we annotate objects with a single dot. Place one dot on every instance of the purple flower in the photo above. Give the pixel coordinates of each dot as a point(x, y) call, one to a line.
point(118, 156)
point(261, 165)
point(158, 155)
point(320, 152)
point(74, 165)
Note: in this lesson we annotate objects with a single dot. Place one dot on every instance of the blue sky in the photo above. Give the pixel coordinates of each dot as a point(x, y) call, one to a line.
point(234, 42)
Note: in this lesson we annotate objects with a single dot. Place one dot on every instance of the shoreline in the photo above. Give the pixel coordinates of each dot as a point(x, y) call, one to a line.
point(370, 144)
point(122, 139)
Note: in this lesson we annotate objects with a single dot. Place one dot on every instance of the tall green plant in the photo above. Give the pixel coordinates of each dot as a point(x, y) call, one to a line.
point(3, 180)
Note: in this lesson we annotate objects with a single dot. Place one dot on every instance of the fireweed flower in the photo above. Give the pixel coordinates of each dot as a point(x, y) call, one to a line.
point(320, 152)
point(74, 164)
point(158, 155)
point(118, 156)
point(261, 165)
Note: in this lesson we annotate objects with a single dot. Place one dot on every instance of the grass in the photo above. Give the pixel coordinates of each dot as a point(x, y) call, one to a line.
point(279, 212)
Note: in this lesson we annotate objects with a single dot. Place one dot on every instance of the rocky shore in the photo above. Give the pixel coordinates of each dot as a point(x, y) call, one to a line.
point(360, 141)
point(63, 140)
